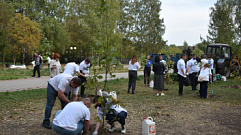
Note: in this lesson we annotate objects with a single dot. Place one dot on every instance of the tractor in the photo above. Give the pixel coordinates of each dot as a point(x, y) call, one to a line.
point(222, 56)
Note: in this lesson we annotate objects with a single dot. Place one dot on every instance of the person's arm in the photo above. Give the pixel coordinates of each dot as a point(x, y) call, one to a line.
point(97, 126)
point(74, 97)
point(80, 74)
point(62, 96)
point(86, 126)
point(188, 68)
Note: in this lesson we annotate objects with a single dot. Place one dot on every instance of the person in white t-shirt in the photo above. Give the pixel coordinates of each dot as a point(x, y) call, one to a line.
point(49, 60)
point(59, 86)
point(205, 74)
point(181, 67)
point(193, 69)
point(211, 63)
point(115, 113)
point(134, 65)
point(73, 67)
point(204, 60)
point(73, 118)
point(164, 62)
point(84, 68)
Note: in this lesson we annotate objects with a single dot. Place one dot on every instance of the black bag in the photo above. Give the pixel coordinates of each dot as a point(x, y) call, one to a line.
point(187, 82)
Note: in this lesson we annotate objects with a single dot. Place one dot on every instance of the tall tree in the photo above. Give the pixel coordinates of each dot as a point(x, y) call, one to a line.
point(6, 12)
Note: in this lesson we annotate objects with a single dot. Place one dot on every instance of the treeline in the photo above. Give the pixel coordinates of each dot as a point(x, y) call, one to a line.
point(93, 27)
point(225, 24)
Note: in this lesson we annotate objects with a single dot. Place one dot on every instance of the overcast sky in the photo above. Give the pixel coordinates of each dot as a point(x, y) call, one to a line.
point(186, 20)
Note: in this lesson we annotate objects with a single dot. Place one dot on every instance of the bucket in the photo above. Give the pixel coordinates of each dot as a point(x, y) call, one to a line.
point(113, 94)
point(99, 92)
point(148, 126)
point(152, 84)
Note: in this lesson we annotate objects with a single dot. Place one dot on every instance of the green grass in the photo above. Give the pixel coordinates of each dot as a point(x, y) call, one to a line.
point(10, 74)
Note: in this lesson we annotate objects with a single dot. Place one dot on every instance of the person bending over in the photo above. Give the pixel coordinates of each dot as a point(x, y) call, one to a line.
point(74, 118)
point(59, 86)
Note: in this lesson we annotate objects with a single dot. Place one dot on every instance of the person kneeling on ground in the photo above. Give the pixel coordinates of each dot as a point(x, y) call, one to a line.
point(115, 113)
point(73, 118)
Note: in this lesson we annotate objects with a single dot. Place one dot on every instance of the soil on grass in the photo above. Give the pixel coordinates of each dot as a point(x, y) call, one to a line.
point(186, 115)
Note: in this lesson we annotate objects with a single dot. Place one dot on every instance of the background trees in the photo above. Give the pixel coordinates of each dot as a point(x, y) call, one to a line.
point(130, 26)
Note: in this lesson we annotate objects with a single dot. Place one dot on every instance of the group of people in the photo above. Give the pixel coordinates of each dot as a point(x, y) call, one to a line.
point(74, 116)
point(159, 69)
point(198, 70)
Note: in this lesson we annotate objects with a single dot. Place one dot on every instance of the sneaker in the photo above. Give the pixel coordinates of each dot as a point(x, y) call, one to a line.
point(46, 125)
point(112, 129)
point(95, 133)
point(123, 130)
point(157, 94)
point(162, 94)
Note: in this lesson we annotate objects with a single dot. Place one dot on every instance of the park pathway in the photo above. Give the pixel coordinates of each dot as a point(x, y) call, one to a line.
point(36, 83)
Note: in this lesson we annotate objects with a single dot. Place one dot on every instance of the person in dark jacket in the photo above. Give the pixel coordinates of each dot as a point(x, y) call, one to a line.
point(147, 70)
point(37, 63)
point(158, 69)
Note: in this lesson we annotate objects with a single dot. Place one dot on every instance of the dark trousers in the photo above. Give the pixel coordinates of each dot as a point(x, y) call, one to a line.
point(212, 75)
point(34, 70)
point(203, 89)
point(193, 79)
point(132, 80)
point(147, 74)
point(181, 82)
point(51, 97)
point(83, 81)
point(120, 117)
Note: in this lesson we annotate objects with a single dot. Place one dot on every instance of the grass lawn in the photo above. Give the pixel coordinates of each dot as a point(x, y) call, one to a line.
point(10, 74)
point(22, 112)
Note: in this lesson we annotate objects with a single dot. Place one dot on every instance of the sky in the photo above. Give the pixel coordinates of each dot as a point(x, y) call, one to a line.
point(186, 20)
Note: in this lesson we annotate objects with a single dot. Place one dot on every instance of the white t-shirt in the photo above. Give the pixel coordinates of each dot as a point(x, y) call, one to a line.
point(181, 65)
point(194, 66)
point(118, 108)
point(49, 59)
point(84, 67)
point(205, 72)
point(135, 66)
point(204, 61)
point(211, 62)
point(62, 82)
point(71, 68)
point(70, 116)
point(164, 62)
point(188, 63)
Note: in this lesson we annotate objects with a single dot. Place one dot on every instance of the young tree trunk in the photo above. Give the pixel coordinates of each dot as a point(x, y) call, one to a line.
point(107, 43)
point(14, 55)
point(3, 63)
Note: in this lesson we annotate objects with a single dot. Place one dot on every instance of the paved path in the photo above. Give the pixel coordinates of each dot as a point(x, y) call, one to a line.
point(36, 83)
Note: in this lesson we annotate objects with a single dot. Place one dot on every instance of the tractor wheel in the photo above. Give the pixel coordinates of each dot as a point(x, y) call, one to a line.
point(226, 71)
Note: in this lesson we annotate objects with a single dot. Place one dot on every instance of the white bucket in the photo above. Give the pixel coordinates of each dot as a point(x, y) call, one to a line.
point(152, 84)
point(224, 78)
point(99, 93)
point(113, 94)
point(148, 126)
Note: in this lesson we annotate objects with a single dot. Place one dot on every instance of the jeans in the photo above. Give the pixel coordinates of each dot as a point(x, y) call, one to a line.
point(193, 79)
point(147, 74)
point(181, 82)
point(203, 89)
point(36, 68)
point(121, 117)
point(51, 97)
point(132, 80)
point(63, 131)
point(40, 66)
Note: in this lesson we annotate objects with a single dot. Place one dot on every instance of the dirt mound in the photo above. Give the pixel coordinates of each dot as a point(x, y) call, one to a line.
point(232, 86)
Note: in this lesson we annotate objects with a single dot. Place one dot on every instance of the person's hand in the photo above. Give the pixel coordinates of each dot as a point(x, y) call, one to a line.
point(187, 74)
point(84, 76)
point(210, 82)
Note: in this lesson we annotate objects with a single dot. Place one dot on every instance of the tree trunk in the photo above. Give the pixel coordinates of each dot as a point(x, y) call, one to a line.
point(3, 63)
point(14, 55)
